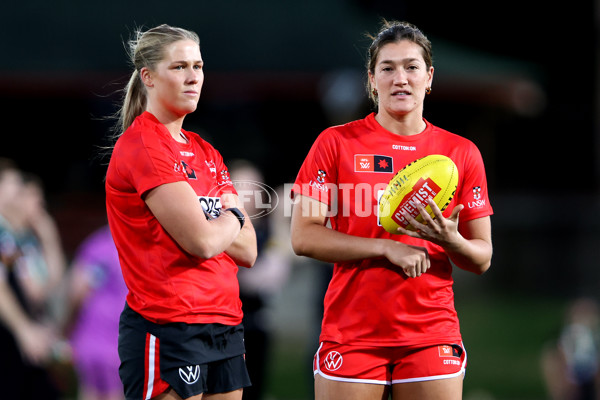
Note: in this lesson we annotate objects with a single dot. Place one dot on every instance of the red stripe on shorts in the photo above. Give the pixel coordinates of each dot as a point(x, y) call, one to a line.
point(153, 384)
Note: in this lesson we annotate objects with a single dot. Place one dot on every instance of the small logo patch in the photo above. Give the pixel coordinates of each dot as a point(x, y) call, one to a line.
point(333, 361)
point(449, 351)
point(190, 374)
point(373, 163)
point(477, 192)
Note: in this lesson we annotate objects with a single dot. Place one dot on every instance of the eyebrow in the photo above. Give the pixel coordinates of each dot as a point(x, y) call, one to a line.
point(187, 62)
point(404, 60)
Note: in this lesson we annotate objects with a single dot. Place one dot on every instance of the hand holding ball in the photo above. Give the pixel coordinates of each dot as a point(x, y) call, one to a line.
point(431, 177)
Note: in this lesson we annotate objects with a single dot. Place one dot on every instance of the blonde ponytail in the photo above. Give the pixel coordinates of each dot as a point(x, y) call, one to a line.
point(145, 50)
point(134, 102)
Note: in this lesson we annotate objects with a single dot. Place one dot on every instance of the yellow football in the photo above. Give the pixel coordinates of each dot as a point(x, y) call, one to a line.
point(431, 177)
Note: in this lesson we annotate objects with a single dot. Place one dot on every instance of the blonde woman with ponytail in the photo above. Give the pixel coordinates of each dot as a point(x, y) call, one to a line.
point(180, 231)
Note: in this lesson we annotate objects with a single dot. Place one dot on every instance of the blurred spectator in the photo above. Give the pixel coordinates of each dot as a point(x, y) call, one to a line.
point(42, 266)
point(270, 271)
point(96, 298)
point(571, 364)
point(26, 344)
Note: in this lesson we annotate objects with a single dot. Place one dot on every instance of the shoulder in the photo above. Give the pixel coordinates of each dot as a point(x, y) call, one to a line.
point(333, 135)
point(450, 139)
point(145, 129)
point(200, 144)
point(352, 128)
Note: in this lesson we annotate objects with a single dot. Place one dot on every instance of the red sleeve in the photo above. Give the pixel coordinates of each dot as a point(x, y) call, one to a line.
point(224, 182)
point(147, 162)
point(318, 174)
point(473, 190)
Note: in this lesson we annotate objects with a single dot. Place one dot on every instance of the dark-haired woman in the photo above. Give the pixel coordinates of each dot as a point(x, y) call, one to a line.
point(389, 324)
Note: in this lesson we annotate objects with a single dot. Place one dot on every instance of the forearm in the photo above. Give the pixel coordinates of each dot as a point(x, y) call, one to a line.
point(12, 314)
point(319, 242)
point(220, 235)
point(474, 255)
point(243, 250)
point(49, 237)
point(187, 223)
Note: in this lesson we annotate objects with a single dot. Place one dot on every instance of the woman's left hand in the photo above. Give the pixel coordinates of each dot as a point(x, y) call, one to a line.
point(439, 230)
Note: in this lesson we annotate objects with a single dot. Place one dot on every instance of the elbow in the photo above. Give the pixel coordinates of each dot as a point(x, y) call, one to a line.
point(203, 251)
point(248, 259)
point(483, 268)
point(300, 246)
point(204, 248)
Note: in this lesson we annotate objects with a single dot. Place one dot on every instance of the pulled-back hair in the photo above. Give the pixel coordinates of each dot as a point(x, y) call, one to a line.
point(146, 49)
point(392, 32)
point(7, 164)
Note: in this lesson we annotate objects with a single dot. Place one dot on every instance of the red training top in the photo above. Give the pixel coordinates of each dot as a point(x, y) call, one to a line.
point(165, 283)
point(372, 302)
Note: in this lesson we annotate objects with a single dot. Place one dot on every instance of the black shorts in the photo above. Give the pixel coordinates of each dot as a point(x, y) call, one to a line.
point(190, 358)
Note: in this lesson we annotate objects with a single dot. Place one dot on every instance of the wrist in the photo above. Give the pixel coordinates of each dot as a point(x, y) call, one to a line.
point(238, 214)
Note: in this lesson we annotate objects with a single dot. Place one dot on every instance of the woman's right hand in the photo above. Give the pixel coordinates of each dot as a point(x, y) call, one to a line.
point(413, 260)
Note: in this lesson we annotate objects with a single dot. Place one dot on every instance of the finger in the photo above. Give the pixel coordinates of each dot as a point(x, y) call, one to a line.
point(410, 272)
point(412, 221)
point(436, 210)
point(426, 217)
point(456, 211)
point(406, 232)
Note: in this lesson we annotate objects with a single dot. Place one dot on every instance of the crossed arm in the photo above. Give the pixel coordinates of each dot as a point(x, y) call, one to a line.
point(470, 249)
point(187, 224)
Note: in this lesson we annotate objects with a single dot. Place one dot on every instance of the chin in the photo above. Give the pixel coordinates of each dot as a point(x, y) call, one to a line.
point(189, 109)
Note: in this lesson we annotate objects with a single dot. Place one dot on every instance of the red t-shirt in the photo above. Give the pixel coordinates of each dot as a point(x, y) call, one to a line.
point(372, 302)
point(167, 284)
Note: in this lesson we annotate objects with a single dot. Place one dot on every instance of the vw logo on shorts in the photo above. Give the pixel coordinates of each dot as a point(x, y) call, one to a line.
point(333, 361)
point(192, 374)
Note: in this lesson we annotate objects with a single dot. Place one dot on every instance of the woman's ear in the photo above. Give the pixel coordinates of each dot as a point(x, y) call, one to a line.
point(146, 76)
point(430, 76)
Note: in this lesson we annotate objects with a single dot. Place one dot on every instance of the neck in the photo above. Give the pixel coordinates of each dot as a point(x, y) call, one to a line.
point(404, 125)
point(172, 122)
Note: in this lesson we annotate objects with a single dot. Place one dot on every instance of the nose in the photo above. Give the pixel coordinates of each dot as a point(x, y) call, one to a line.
point(194, 76)
point(400, 78)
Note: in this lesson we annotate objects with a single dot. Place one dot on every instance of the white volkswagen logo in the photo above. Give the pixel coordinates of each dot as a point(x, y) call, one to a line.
point(191, 375)
point(333, 360)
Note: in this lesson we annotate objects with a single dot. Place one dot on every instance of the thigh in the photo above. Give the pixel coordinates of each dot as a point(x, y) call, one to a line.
point(227, 377)
point(170, 394)
point(440, 389)
point(327, 389)
point(233, 395)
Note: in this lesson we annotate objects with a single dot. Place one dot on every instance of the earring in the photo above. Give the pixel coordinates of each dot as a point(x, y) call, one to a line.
point(428, 90)
point(374, 91)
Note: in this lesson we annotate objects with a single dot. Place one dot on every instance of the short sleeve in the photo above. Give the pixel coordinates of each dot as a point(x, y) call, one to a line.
point(473, 192)
point(145, 162)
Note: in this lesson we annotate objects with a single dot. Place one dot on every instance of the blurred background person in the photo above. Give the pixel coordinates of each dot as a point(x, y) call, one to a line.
point(42, 266)
point(96, 296)
point(571, 364)
point(270, 272)
point(26, 340)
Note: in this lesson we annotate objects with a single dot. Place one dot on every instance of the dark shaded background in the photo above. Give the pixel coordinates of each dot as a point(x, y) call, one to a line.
point(518, 78)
